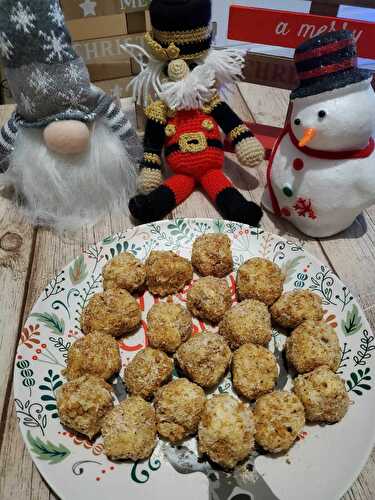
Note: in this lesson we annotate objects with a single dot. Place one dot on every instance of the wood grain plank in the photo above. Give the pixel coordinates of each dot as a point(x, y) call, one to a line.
point(16, 244)
point(268, 104)
point(364, 487)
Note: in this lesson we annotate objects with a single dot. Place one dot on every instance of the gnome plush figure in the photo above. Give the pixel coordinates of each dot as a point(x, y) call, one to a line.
point(321, 173)
point(68, 151)
point(180, 84)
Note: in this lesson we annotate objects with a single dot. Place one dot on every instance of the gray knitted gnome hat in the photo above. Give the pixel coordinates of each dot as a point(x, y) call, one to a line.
point(48, 80)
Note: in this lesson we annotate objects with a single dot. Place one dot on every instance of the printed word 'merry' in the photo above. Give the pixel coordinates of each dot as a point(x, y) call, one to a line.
point(311, 30)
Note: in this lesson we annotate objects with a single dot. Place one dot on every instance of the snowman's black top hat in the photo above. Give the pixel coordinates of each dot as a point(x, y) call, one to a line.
point(327, 62)
point(185, 24)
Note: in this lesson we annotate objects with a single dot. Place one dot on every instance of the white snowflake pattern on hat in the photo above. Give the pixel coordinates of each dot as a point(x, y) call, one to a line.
point(56, 45)
point(22, 17)
point(41, 81)
point(74, 73)
point(73, 99)
point(6, 46)
point(56, 14)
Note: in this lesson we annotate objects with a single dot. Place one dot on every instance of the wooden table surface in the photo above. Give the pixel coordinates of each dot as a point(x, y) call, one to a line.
point(30, 257)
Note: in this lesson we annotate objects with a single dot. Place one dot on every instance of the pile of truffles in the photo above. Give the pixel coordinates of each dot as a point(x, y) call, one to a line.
point(227, 428)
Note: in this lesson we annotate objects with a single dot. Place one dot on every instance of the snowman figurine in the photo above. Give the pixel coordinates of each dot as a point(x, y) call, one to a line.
point(321, 173)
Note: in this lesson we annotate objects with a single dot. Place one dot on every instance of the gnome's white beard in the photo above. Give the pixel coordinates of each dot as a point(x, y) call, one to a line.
point(68, 191)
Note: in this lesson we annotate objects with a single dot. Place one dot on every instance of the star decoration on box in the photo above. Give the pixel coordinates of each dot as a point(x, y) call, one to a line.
point(88, 7)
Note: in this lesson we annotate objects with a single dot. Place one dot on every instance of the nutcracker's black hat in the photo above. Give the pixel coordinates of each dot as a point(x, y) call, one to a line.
point(181, 28)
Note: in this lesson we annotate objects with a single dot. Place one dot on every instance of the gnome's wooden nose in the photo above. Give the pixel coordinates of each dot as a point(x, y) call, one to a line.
point(68, 137)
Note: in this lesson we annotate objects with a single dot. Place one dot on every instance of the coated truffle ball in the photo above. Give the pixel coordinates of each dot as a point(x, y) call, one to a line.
point(323, 394)
point(168, 326)
point(179, 406)
point(147, 371)
point(96, 354)
point(204, 358)
point(254, 371)
point(260, 279)
point(293, 308)
point(313, 344)
point(248, 321)
point(167, 273)
point(226, 431)
point(279, 417)
point(129, 430)
point(209, 299)
point(83, 403)
point(124, 271)
point(212, 255)
point(114, 312)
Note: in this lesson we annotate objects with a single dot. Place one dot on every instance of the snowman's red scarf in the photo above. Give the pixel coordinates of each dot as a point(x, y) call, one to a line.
point(332, 155)
point(314, 153)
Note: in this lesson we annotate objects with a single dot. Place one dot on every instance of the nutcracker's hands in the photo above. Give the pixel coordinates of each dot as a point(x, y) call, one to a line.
point(250, 152)
point(149, 179)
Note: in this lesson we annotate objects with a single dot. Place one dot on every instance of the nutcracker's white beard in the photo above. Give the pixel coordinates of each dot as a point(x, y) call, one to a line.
point(216, 71)
point(67, 192)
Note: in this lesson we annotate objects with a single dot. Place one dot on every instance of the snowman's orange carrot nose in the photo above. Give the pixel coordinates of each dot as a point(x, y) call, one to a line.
point(308, 136)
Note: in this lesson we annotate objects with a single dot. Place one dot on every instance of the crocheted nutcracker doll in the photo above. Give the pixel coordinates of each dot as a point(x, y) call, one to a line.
point(186, 117)
point(68, 151)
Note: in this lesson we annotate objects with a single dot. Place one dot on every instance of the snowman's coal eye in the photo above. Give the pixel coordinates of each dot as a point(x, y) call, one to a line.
point(297, 121)
point(322, 114)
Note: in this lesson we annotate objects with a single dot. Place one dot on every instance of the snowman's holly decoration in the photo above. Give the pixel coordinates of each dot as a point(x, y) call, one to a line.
point(321, 173)
point(68, 151)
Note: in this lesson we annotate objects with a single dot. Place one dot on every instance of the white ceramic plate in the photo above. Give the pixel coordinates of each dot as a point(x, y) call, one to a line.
point(322, 464)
